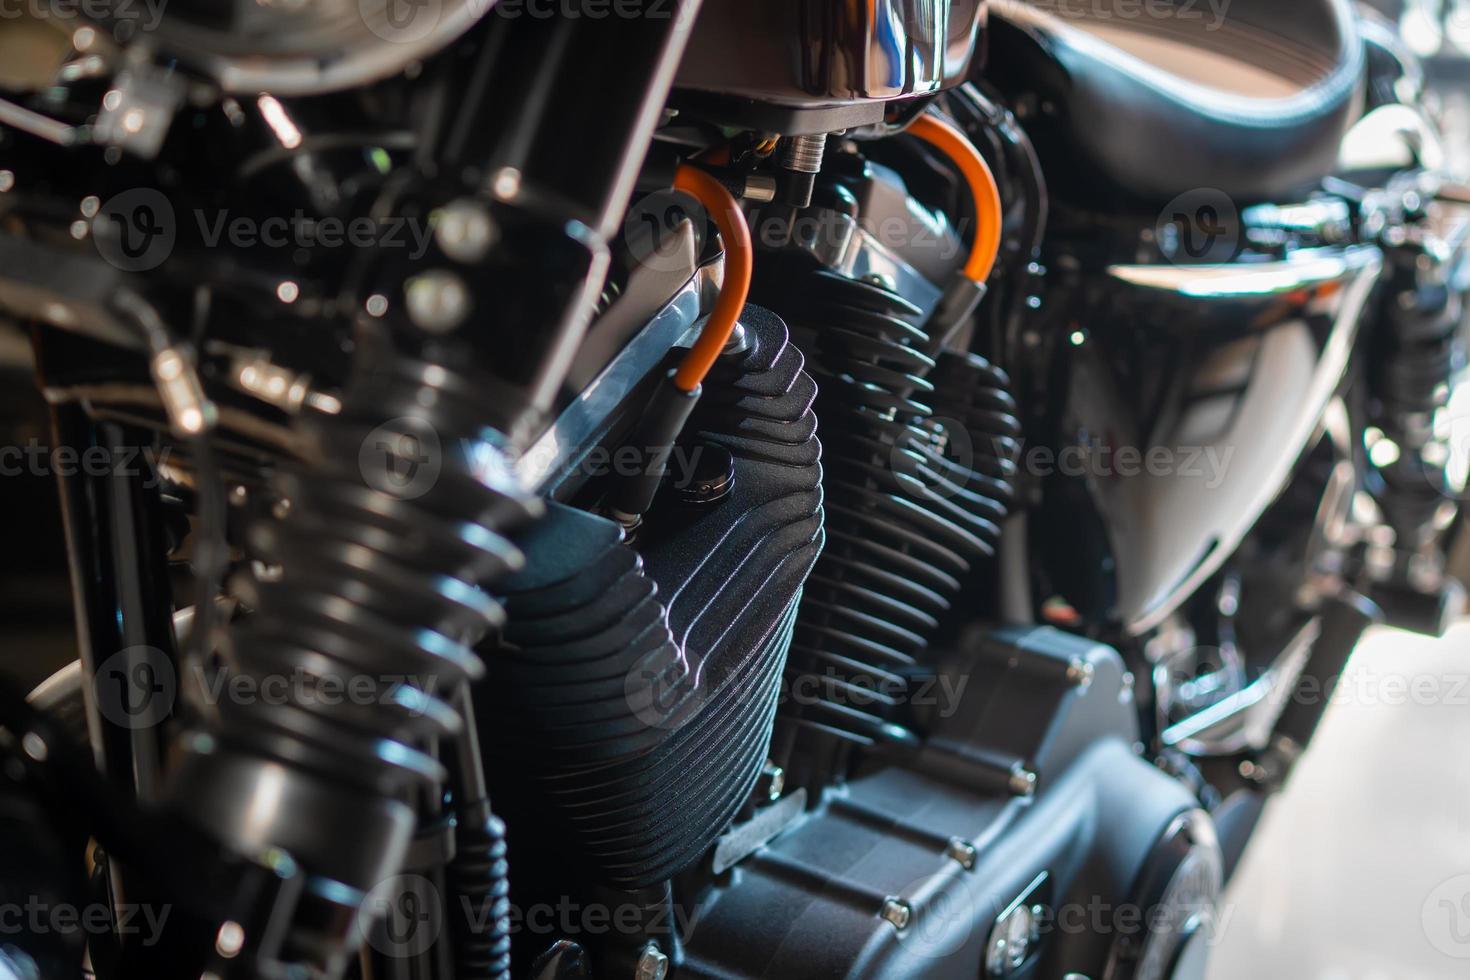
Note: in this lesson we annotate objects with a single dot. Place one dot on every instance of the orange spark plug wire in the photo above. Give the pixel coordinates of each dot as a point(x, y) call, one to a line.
point(952, 143)
point(739, 256)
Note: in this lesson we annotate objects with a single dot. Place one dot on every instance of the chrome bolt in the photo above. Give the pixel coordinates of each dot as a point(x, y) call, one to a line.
point(774, 778)
point(802, 153)
point(738, 342)
point(465, 231)
point(1022, 782)
point(898, 912)
point(438, 300)
point(1080, 672)
point(652, 965)
point(882, 281)
point(962, 851)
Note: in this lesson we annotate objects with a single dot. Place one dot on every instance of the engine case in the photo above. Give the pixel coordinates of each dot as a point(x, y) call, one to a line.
point(918, 869)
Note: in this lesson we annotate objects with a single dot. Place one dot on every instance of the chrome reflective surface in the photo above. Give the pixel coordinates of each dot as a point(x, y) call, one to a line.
point(801, 53)
point(1234, 428)
point(1308, 269)
point(842, 245)
point(554, 456)
point(302, 48)
point(1245, 719)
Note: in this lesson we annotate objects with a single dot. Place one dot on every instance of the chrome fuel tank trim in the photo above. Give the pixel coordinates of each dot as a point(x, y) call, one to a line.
point(1248, 406)
point(1308, 269)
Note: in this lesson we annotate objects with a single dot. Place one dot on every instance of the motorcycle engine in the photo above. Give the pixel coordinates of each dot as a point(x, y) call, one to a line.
point(772, 724)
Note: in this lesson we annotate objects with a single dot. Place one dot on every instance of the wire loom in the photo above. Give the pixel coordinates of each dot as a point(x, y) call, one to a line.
point(631, 693)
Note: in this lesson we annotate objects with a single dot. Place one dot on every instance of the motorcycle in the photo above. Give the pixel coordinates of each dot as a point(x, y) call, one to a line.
point(659, 488)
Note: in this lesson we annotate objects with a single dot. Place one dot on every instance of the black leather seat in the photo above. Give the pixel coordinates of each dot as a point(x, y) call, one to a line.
point(1152, 98)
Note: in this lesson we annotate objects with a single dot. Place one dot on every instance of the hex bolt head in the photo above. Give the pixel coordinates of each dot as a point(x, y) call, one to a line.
point(437, 300)
point(898, 912)
point(774, 778)
point(962, 851)
point(464, 230)
point(1080, 672)
point(1022, 782)
point(652, 965)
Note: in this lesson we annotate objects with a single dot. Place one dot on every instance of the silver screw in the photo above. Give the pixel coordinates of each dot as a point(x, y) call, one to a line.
point(738, 342)
point(1022, 782)
point(803, 153)
point(898, 912)
point(1080, 672)
point(777, 777)
point(882, 280)
point(437, 300)
point(465, 231)
point(962, 851)
point(652, 965)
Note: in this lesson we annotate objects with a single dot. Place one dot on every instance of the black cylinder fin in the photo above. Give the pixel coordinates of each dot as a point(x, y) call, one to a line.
point(631, 693)
point(921, 459)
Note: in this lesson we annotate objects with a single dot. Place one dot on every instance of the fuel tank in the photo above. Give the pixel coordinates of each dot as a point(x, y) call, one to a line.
point(795, 66)
point(1185, 431)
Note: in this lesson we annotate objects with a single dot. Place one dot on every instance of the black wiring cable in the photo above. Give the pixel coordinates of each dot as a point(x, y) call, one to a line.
point(211, 544)
point(979, 109)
